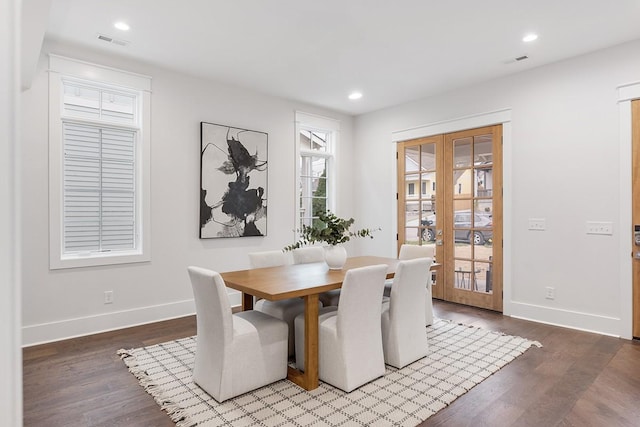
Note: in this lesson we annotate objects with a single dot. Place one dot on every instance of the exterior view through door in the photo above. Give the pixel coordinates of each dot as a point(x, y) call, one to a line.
point(450, 197)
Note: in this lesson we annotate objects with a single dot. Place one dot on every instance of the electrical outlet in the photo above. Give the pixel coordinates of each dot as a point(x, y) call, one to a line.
point(108, 297)
point(605, 228)
point(537, 224)
point(550, 293)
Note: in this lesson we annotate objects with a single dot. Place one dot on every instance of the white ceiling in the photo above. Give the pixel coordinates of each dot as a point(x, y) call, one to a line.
point(317, 51)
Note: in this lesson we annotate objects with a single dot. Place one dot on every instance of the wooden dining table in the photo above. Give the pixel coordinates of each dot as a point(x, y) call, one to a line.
point(306, 281)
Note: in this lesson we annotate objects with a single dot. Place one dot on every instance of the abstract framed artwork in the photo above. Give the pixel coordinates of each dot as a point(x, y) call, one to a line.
point(233, 182)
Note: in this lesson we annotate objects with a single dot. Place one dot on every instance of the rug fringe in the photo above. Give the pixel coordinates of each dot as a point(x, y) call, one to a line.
point(175, 412)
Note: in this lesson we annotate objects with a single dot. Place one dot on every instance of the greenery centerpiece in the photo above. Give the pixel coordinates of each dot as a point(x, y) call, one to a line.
point(332, 231)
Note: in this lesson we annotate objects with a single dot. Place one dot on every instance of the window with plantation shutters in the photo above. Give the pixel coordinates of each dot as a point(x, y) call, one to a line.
point(99, 175)
point(99, 188)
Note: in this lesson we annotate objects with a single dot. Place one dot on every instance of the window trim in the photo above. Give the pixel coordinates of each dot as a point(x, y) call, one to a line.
point(312, 122)
point(61, 68)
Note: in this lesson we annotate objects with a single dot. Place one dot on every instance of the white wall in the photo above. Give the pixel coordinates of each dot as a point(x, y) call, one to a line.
point(565, 167)
point(66, 303)
point(11, 355)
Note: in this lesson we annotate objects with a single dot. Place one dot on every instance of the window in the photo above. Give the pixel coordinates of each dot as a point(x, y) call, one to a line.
point(99, 165)
point(412, 188)
point(315, 144)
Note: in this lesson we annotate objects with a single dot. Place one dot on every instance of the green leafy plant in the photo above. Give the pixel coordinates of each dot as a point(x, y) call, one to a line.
point(330, 229)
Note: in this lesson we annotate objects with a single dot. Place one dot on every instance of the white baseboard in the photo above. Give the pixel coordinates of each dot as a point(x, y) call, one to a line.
point(82, 326)
point(604, 325)
point(89, 325)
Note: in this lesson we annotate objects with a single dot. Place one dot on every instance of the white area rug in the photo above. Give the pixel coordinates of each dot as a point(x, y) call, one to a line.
point(461, 357)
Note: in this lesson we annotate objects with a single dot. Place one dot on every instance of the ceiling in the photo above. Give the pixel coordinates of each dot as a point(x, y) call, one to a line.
point(318, 51)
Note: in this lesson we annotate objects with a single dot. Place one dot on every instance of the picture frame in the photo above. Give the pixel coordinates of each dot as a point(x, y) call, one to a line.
point(233, 181)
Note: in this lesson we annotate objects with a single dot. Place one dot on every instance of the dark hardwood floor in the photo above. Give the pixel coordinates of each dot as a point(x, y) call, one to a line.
point(576, 379)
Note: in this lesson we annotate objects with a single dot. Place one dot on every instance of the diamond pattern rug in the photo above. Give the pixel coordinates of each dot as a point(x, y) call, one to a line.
point(460, 357)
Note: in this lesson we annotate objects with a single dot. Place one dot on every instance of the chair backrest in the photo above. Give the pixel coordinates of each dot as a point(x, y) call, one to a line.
point(359, 310)
point(213, 310)
point(267, 259)
point(408, 291)
point(308, 254)
point(415, 251)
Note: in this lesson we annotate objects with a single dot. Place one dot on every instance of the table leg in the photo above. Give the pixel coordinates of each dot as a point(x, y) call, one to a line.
point(309, 378)
point(247, 302)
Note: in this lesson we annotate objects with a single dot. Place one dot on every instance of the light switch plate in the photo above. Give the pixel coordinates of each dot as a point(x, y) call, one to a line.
point(599, 227)
point(537, 224)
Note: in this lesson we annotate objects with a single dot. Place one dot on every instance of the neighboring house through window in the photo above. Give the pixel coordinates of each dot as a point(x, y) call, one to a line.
point(315, 146)
point(99, 165)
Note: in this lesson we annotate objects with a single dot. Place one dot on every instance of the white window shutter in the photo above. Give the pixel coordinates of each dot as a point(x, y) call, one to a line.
point(118, 189)
point(99, 188)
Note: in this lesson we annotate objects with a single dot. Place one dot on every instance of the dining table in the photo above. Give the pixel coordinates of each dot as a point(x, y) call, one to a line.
point(306, 281)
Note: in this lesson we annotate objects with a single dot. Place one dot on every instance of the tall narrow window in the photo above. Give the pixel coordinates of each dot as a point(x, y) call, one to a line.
point(99, 153)
point(316, 139)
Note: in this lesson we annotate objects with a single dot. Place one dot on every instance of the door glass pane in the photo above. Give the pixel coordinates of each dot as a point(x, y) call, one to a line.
point(428, 207)
point(428, 192)
point(412, 159)
point(484, 214)
point(462, 152)
point(483, 180)
point(483, 252)
point(483, 280)
point(412, 188)
point(412, 235)
point(462, 247)
point(462, 187)
point(428, 157)
point(482, 150)
point(463, 275)
point(411, 213)
point(428, 229)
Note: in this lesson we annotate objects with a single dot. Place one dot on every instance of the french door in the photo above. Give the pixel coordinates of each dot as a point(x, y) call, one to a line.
point(450, 198)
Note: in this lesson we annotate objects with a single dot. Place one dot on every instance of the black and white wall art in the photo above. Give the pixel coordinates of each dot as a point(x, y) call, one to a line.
point(233, 182)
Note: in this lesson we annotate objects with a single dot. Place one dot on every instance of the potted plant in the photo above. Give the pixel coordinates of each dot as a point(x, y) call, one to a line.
point(333, 231)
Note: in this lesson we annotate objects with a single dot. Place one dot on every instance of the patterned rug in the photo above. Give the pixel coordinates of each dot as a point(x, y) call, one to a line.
point(460, 357)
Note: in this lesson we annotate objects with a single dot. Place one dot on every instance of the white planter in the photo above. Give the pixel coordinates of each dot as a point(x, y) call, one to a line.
point(335, 256)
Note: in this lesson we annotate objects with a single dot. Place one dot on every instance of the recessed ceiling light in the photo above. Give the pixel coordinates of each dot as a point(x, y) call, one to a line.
point(122, 26)
point(530, 37)
point(355, 95)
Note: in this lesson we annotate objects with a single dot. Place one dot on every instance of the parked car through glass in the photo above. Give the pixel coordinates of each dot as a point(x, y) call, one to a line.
point(482, 227)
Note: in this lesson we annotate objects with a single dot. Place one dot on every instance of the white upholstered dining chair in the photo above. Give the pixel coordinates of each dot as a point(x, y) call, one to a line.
point(308, 255)
point(235, 353)
point(413, 252)
point(316, 254)
point(266, 259)
point(404, 336)
point(286, 309)
point(350, 338)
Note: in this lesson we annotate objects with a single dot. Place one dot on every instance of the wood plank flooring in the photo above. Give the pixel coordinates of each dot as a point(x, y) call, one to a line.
point(576, 379)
